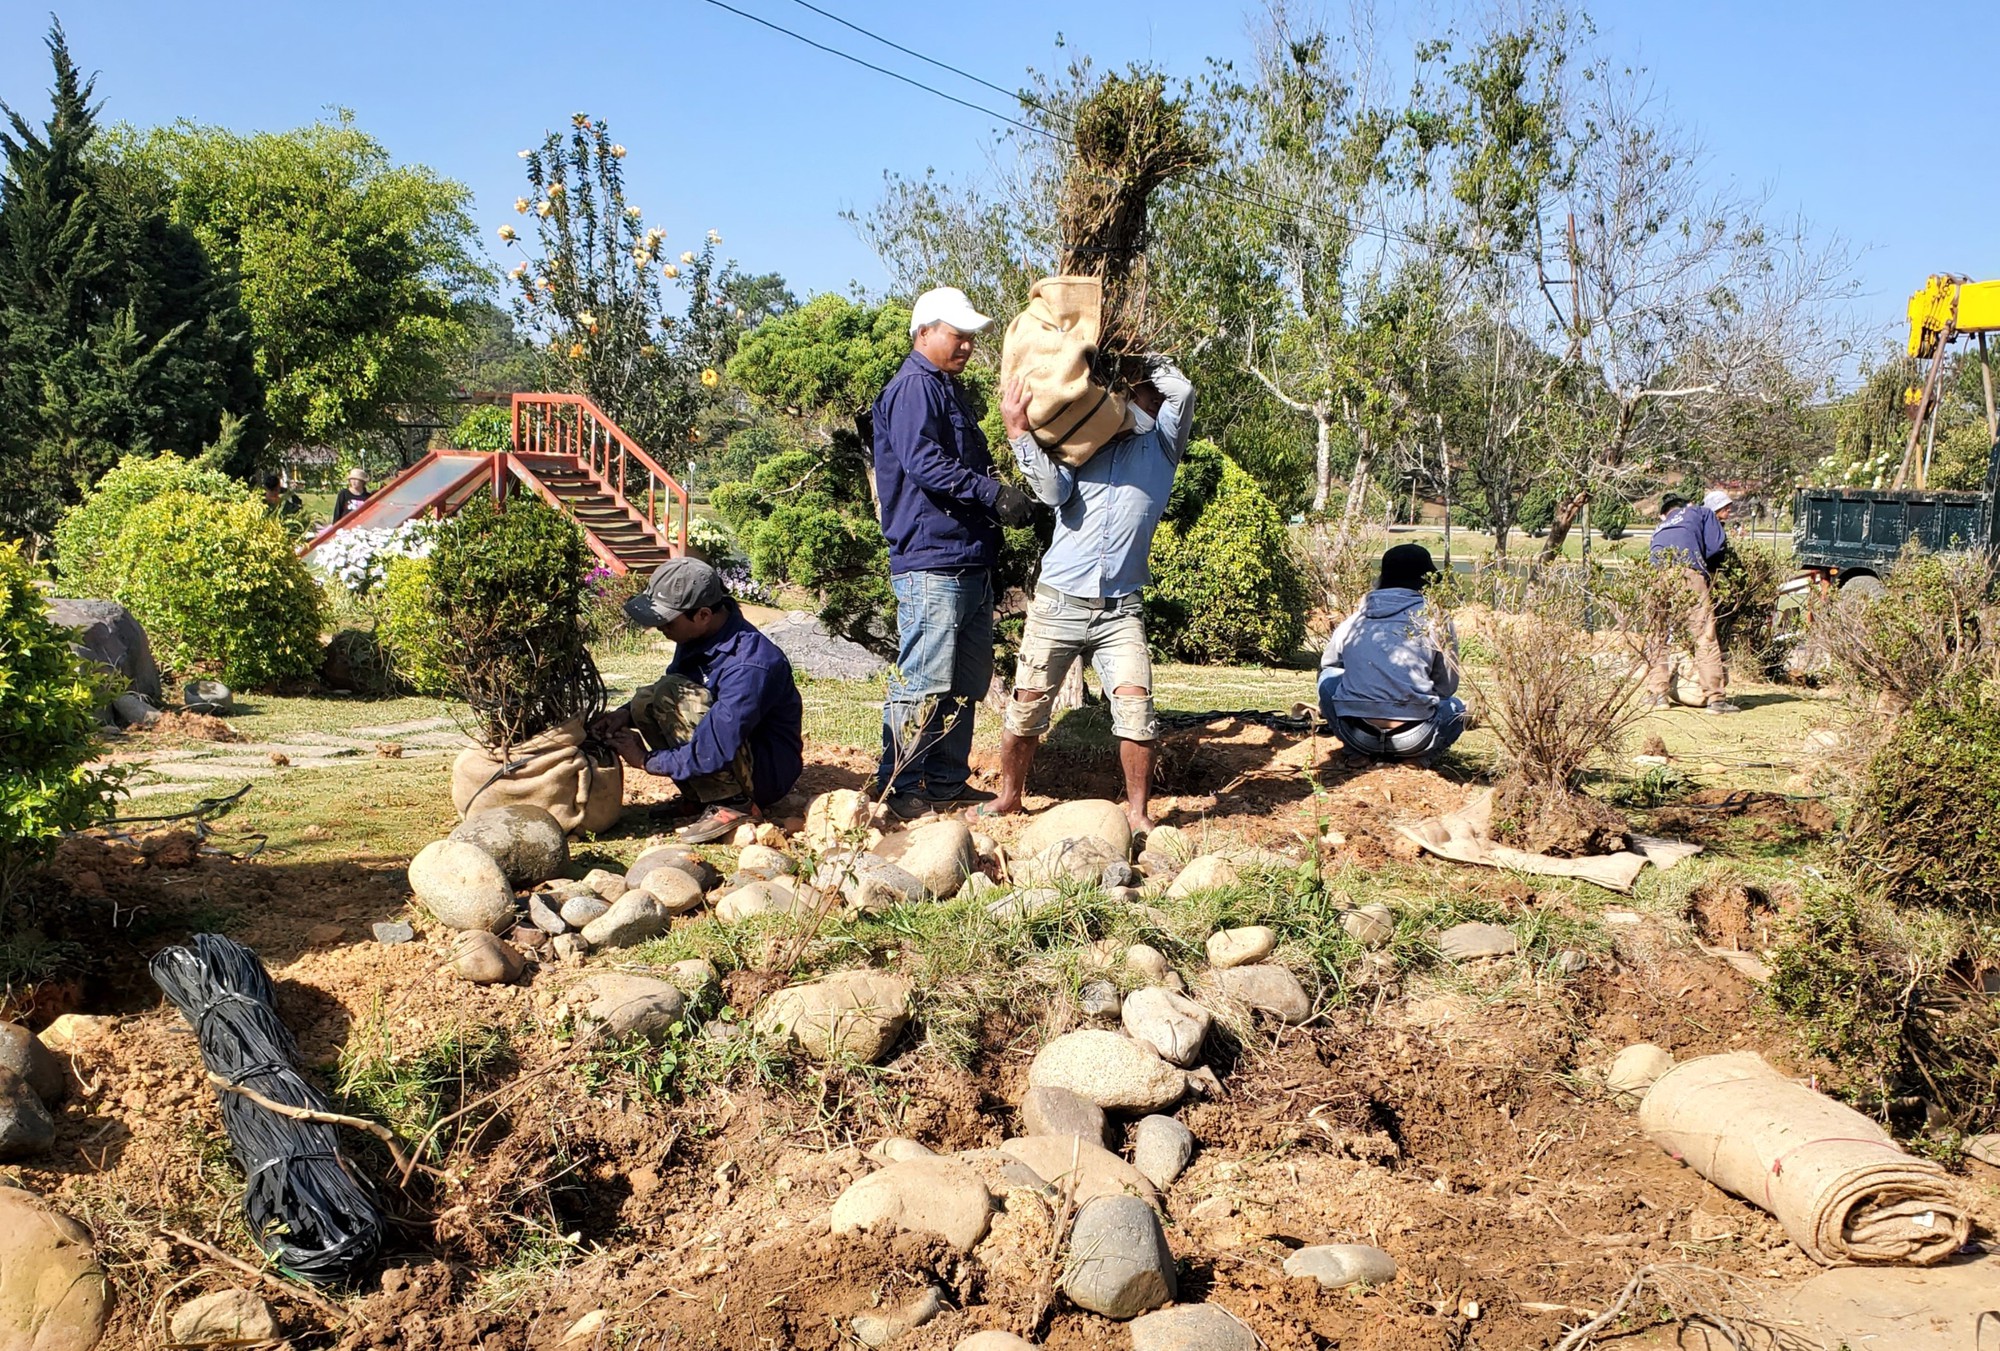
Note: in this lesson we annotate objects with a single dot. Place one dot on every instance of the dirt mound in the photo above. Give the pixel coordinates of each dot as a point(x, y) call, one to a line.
point(1544, 819)
point(178, 726)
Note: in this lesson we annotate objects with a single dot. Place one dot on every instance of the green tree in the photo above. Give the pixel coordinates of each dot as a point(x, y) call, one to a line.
point(592, 293)
point(497, 358)
point(116, 334)
point(352, 267)
point(826, 361)
point(1225, 587)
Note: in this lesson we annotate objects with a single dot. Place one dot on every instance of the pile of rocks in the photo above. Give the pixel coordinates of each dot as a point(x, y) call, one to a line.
point(32, 1083)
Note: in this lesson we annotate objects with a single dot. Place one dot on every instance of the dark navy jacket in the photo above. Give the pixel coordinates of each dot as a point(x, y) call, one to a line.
point(1694, 534)
point(754, 700)
point(933, 474)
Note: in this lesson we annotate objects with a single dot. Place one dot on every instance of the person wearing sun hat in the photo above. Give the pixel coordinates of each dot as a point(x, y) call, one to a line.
point(941, 512)
point(1691, 537)
point(1388, 679)
point(725, 721)
point(354, 496)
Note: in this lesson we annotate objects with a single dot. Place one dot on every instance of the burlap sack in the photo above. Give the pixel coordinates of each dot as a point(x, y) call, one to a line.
point(1050, 346)
point(553, 772)
point(1836, 1181)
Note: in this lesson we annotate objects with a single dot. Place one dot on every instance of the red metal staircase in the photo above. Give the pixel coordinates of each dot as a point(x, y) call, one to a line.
point(633, 513)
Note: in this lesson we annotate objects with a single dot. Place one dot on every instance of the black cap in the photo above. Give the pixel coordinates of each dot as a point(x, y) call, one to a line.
point(1408, 566)
point(678, 586)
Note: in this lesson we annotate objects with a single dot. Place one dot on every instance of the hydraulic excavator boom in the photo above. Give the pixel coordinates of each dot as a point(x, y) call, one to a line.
point(1947, 308)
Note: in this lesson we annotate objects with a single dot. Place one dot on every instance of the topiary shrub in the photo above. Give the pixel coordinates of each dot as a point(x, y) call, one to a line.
point(84, 536)
point(48, 731)
point(488, 427)
point(1536, 513)
point(1612, 518)
point(408, 627)
point(219, 589)
point(508, 597)
point(1927, 821)
point(1227, 588)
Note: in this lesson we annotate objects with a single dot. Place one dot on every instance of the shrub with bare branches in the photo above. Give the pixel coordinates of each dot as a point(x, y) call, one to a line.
point(1933, 634)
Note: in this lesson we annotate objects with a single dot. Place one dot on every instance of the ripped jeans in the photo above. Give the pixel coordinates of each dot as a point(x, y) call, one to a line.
point(1110, 635)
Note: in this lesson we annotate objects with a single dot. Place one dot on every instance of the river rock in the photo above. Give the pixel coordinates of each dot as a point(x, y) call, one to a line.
point(633, 918)
point(527, 842)
point(1161, 1148)
point(1268, 989)
point(1985, 1148)
point(1099, 999)
point(1084, 860)
point(1025, 904)
point(939, 854)
point(607, 884)
point(1115, 1072)
point(1633, 1071)
point(1117, 876)
point(526, 938)
point(1086, 818)
point(569, 949)
point(1471, 941)
point(1171, 1025)
point(1148, 961)
point(1205, 873)
point(833, 819)
point(677, 891)
point(26, 1128)
point(1057, 1111)
point(390, 932)
point(1370, 925)
point(992, 1340)
point(1335, 1265)
point(694, 977)
point(934, 1196)
point(208, 696)
point(1192, 1327)
point(1171, 841)
point(1119, 1264)
point(676, 856)
point(868, 883)
point(481, 958)
point(760, 862)
point(979, 887)
point(578, 911)
point(132, 710)
point(23, 1052)
point(1073, 1163)
point(854, 1013)
point(755, 899)
point(1240, 947)
point(627, 1005)
point(462, 885)
point(551, 922)
point(53, 1294)
point(234, 1316)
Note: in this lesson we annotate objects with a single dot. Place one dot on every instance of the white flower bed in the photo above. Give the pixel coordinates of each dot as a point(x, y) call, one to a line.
point(359, 559)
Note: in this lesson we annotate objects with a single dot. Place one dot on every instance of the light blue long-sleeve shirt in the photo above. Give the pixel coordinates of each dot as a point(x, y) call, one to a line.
point(1107, 511)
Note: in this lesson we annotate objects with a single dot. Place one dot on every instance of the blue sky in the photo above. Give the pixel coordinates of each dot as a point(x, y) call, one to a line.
point(736, 128)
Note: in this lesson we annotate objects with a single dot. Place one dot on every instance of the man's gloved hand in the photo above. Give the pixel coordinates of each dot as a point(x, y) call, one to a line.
point(1012, 505)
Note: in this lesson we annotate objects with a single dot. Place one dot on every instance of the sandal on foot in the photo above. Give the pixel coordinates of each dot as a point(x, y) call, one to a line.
point(714, 823)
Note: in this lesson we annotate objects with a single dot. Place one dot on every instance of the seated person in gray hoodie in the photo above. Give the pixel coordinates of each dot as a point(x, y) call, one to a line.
point(1389, 675)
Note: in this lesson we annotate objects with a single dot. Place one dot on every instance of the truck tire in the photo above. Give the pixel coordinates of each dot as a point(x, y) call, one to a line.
point(1858, 588)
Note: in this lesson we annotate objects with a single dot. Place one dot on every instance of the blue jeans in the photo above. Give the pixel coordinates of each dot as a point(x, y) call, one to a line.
point(1432, 736)
point(944, 668)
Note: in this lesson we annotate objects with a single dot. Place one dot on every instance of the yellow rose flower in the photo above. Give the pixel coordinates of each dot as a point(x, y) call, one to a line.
point(520, 270)
point(618, 152)
point(709, 379)
point(688, 257)
point(543, 208)
point(557, 189)
point(714, 238)
point(669, 271)
point(507, 233)
point(632, 212)
point(575, 350)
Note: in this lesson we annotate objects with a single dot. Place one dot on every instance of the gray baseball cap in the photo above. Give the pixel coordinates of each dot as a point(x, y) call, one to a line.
point(678, 586)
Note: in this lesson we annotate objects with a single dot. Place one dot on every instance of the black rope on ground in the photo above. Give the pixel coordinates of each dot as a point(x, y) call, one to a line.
point(308, 1211)
point(1308, 721)
point(209, 808)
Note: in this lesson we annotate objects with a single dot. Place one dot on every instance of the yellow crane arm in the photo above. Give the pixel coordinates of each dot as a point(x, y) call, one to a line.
point(1967, 306)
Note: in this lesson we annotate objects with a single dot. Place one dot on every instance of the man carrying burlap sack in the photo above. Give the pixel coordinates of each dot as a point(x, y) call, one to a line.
point(1086, 605)
point(725, 720)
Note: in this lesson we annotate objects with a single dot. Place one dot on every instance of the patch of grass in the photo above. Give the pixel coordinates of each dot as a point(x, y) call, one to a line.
point(412, 1089)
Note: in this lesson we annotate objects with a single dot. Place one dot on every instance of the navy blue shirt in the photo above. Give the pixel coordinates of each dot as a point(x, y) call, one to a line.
point(753, 700)
point(1693, 533)
point(933, 474)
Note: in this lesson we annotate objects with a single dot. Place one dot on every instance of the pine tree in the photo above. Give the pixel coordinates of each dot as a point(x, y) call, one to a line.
point(115, 333)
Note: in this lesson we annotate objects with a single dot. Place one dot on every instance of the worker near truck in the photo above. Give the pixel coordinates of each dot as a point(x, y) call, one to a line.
point(1086, 605)
point(724, 722)
point(1388, 679)
point(1690, 537)
point(941, 512)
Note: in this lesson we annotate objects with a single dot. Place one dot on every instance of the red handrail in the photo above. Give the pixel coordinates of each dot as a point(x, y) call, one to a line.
point(573, 425)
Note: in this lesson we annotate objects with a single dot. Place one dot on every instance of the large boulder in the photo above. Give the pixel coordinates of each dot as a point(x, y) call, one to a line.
point(854, 1013)
point(1169, 1023)
point(527, 843)
point(1119, 1264)
point(815, 652)
point(462, 885)
point(107, 633)
point(23, 1052)
point(932, 1195)
point(938, 854)
point(1072, 1164)
point(835, 818)
point(26, 1128)
point(633, 918)
point(53, 1294)
point(1113, 1071)
point(1086, 818)
point(675, 856)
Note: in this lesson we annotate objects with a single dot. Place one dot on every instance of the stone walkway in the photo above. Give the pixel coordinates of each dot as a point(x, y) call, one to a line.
point(222, 764)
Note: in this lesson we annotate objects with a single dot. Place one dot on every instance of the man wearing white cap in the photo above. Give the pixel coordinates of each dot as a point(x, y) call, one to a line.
point(1691, 537)
point(942, 510)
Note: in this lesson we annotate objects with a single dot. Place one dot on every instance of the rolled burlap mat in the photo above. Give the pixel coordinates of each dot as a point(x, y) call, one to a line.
point(1841, 1187)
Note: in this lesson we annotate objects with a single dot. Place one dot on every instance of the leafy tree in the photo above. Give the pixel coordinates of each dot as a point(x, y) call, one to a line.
point(116, 334)
point(487, 427)
point(826, 361)
point(1225, 588)
point(84, 536)
point(751, 299)
point(352, 267)
point(593, 293)
point(497, 358)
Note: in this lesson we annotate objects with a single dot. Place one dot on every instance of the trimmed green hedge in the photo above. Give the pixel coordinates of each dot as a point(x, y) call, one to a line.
point(1226, 587)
